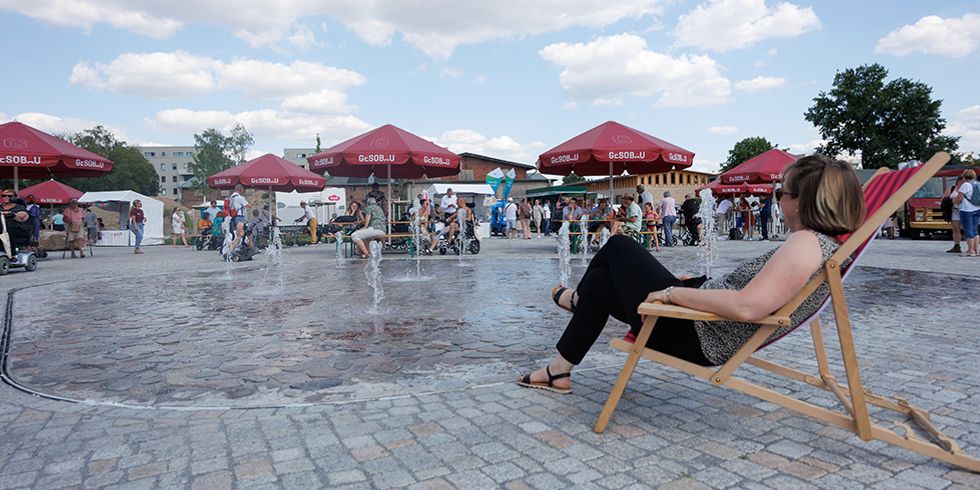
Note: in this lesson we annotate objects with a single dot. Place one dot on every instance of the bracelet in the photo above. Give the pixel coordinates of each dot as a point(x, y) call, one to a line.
point(666, 297)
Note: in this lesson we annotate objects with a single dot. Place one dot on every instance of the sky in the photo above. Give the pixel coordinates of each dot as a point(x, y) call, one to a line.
point(508, 78)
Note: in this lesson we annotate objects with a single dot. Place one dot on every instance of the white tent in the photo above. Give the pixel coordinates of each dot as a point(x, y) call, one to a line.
point(465, 189)
point(326, 203)
point(121, 201)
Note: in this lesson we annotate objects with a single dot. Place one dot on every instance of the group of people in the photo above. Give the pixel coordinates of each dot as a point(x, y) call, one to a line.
point(79, 224)
point(524, 213)
point(965, 200)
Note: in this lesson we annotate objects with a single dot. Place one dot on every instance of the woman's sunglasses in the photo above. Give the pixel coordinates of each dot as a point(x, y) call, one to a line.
point(9, 196)
point(780, 193)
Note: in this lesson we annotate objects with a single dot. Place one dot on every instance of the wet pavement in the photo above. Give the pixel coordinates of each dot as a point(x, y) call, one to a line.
point(163, 350)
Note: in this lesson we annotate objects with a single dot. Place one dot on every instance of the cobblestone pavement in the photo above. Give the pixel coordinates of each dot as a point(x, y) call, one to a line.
point(421, 395)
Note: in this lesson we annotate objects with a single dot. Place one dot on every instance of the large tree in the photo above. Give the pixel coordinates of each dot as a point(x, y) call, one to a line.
point(888, 123)
point(130, 169)
point(744, 150)
point(216, 152)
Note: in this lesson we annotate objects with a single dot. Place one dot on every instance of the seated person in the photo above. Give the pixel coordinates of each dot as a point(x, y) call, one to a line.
point(373, 225)
point(426, 226)
point(204, 224)
point(453, 219)
point(630, 217)
point(600, 219)
point(17, 219)
point(623, 275)
point(219, 226)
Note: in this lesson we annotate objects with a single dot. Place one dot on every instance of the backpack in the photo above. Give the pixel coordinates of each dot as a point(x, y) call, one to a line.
point(946, 208)
point(734, 234)
point(975, 196)
point(229, 211)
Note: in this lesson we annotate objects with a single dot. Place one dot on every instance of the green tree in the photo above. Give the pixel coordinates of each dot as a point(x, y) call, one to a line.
point(744, 150)
point(572, 178)
point(130, 169)
point(211, 156)
point(888, 123)
point(239, 143)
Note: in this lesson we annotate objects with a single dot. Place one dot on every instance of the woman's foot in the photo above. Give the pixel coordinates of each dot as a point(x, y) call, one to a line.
point(565, 298)
point(544, 379)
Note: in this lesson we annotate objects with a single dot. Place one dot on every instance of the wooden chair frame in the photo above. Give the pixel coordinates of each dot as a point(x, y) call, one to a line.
point(853, 396)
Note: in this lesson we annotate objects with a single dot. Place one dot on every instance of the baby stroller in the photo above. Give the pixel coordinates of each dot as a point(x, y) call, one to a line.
point(15, 244)
point(209, 240)
point(242, 252)
point(468, 241)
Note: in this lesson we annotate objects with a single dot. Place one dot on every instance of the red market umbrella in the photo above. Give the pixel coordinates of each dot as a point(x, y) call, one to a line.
point(51, 192)
point(719, 189)
point(268, 172)
point(29, 153)
point(766, 167)
point(610, 149)
point(387, 151)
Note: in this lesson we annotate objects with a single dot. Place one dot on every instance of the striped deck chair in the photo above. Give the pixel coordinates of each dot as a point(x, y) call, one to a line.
point(883, 194)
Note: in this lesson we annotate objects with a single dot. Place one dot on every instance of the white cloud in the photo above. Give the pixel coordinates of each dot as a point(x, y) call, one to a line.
point(59, 125)
point(480, 79)
point(179, 73)
point(954, 38)
point(569, 105)
point(263, 124)
point(966, 125)
point(323, 102)
point(601, 102)
point(724, 25)
point(807, 148)
point(759, 84)
point(437, 28)
point(614, 66)
point(503, 147)
point(450, 72)
point(705, 165)
point(723, 129)
point(772, 52)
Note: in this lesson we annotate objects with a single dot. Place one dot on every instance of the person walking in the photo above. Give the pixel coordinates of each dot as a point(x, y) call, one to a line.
point(91, 226)
point(524, 214)
point(546, 218)
point(668, 213)
point(644, 196)
point(136, 220)
point(510, 215)
point(721, 215)
point(75, 222)
point(765, 216)
point(536, 215)
point(177, 226)
point(969, 204)
point(954, 217)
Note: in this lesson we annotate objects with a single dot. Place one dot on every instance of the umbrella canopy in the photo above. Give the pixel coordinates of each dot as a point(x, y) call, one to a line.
point(719, 189)
point(625, 148)
point(29, 153)
point(51, 192)
point(389, 152)
point(766, 167)
point(268, 172)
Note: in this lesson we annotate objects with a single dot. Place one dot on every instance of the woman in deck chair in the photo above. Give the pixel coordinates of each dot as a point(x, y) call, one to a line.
point(821, 199)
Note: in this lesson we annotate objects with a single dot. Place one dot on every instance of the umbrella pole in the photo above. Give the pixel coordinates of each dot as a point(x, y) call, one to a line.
point(390, 208)
point(611, 200)
point(16, 180)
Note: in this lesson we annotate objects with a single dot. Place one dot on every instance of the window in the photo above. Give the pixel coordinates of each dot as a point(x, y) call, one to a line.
point(175, 191)
point(163, 178)
point(178, 153)
point(174, 178)
point(163, 167)
point(163, 153)
point(174, 166)
point(673, 179)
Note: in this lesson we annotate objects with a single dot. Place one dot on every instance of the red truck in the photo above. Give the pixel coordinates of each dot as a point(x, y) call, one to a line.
point(923, 216)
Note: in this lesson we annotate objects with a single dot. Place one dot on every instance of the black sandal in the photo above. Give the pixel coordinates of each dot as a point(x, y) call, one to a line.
point(557, 298)
point(526, 382)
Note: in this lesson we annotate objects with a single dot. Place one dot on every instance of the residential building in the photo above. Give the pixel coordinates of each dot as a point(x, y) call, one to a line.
point(172, 164)
point(298, 155)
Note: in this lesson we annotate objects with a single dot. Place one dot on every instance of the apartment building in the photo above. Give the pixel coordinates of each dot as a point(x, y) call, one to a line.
point(173, 167)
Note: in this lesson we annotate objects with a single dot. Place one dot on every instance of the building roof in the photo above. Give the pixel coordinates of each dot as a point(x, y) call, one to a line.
point(497, 160)
point(577, 188)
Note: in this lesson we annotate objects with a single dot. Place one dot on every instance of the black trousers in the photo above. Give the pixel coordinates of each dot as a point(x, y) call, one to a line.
point(618, 279)
point(764, 224)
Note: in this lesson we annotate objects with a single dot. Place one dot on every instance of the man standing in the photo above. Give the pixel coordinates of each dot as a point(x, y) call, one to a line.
point(448, 204)
point(136, 219)
point(91, 226)
point(721, 215)
point(310, 218)
point(536, 216)
point(34, 212)
point(524, 214)
point(644, 196)
point(546, 218)
point(691, 220)
point(510, 215)
point(765, 214)
point(212, 211)
point(668, 211)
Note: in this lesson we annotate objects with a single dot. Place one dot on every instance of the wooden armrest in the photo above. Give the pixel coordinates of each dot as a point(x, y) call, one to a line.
point(673, 311)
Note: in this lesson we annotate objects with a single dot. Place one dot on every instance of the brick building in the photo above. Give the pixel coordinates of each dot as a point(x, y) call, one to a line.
point(678, 182)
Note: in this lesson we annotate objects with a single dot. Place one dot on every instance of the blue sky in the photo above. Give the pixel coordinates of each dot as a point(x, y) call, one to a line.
point(509, 79)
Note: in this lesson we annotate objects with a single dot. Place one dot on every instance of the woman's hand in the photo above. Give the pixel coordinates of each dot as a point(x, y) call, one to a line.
point(656, 297)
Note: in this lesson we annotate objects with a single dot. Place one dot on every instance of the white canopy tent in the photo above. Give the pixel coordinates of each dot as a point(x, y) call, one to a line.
point(121, 201)
point(326, 203)
point(439, 189)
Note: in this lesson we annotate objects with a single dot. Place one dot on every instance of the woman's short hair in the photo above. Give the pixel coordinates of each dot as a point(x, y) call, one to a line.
point(970, 174)
point(830, 199)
